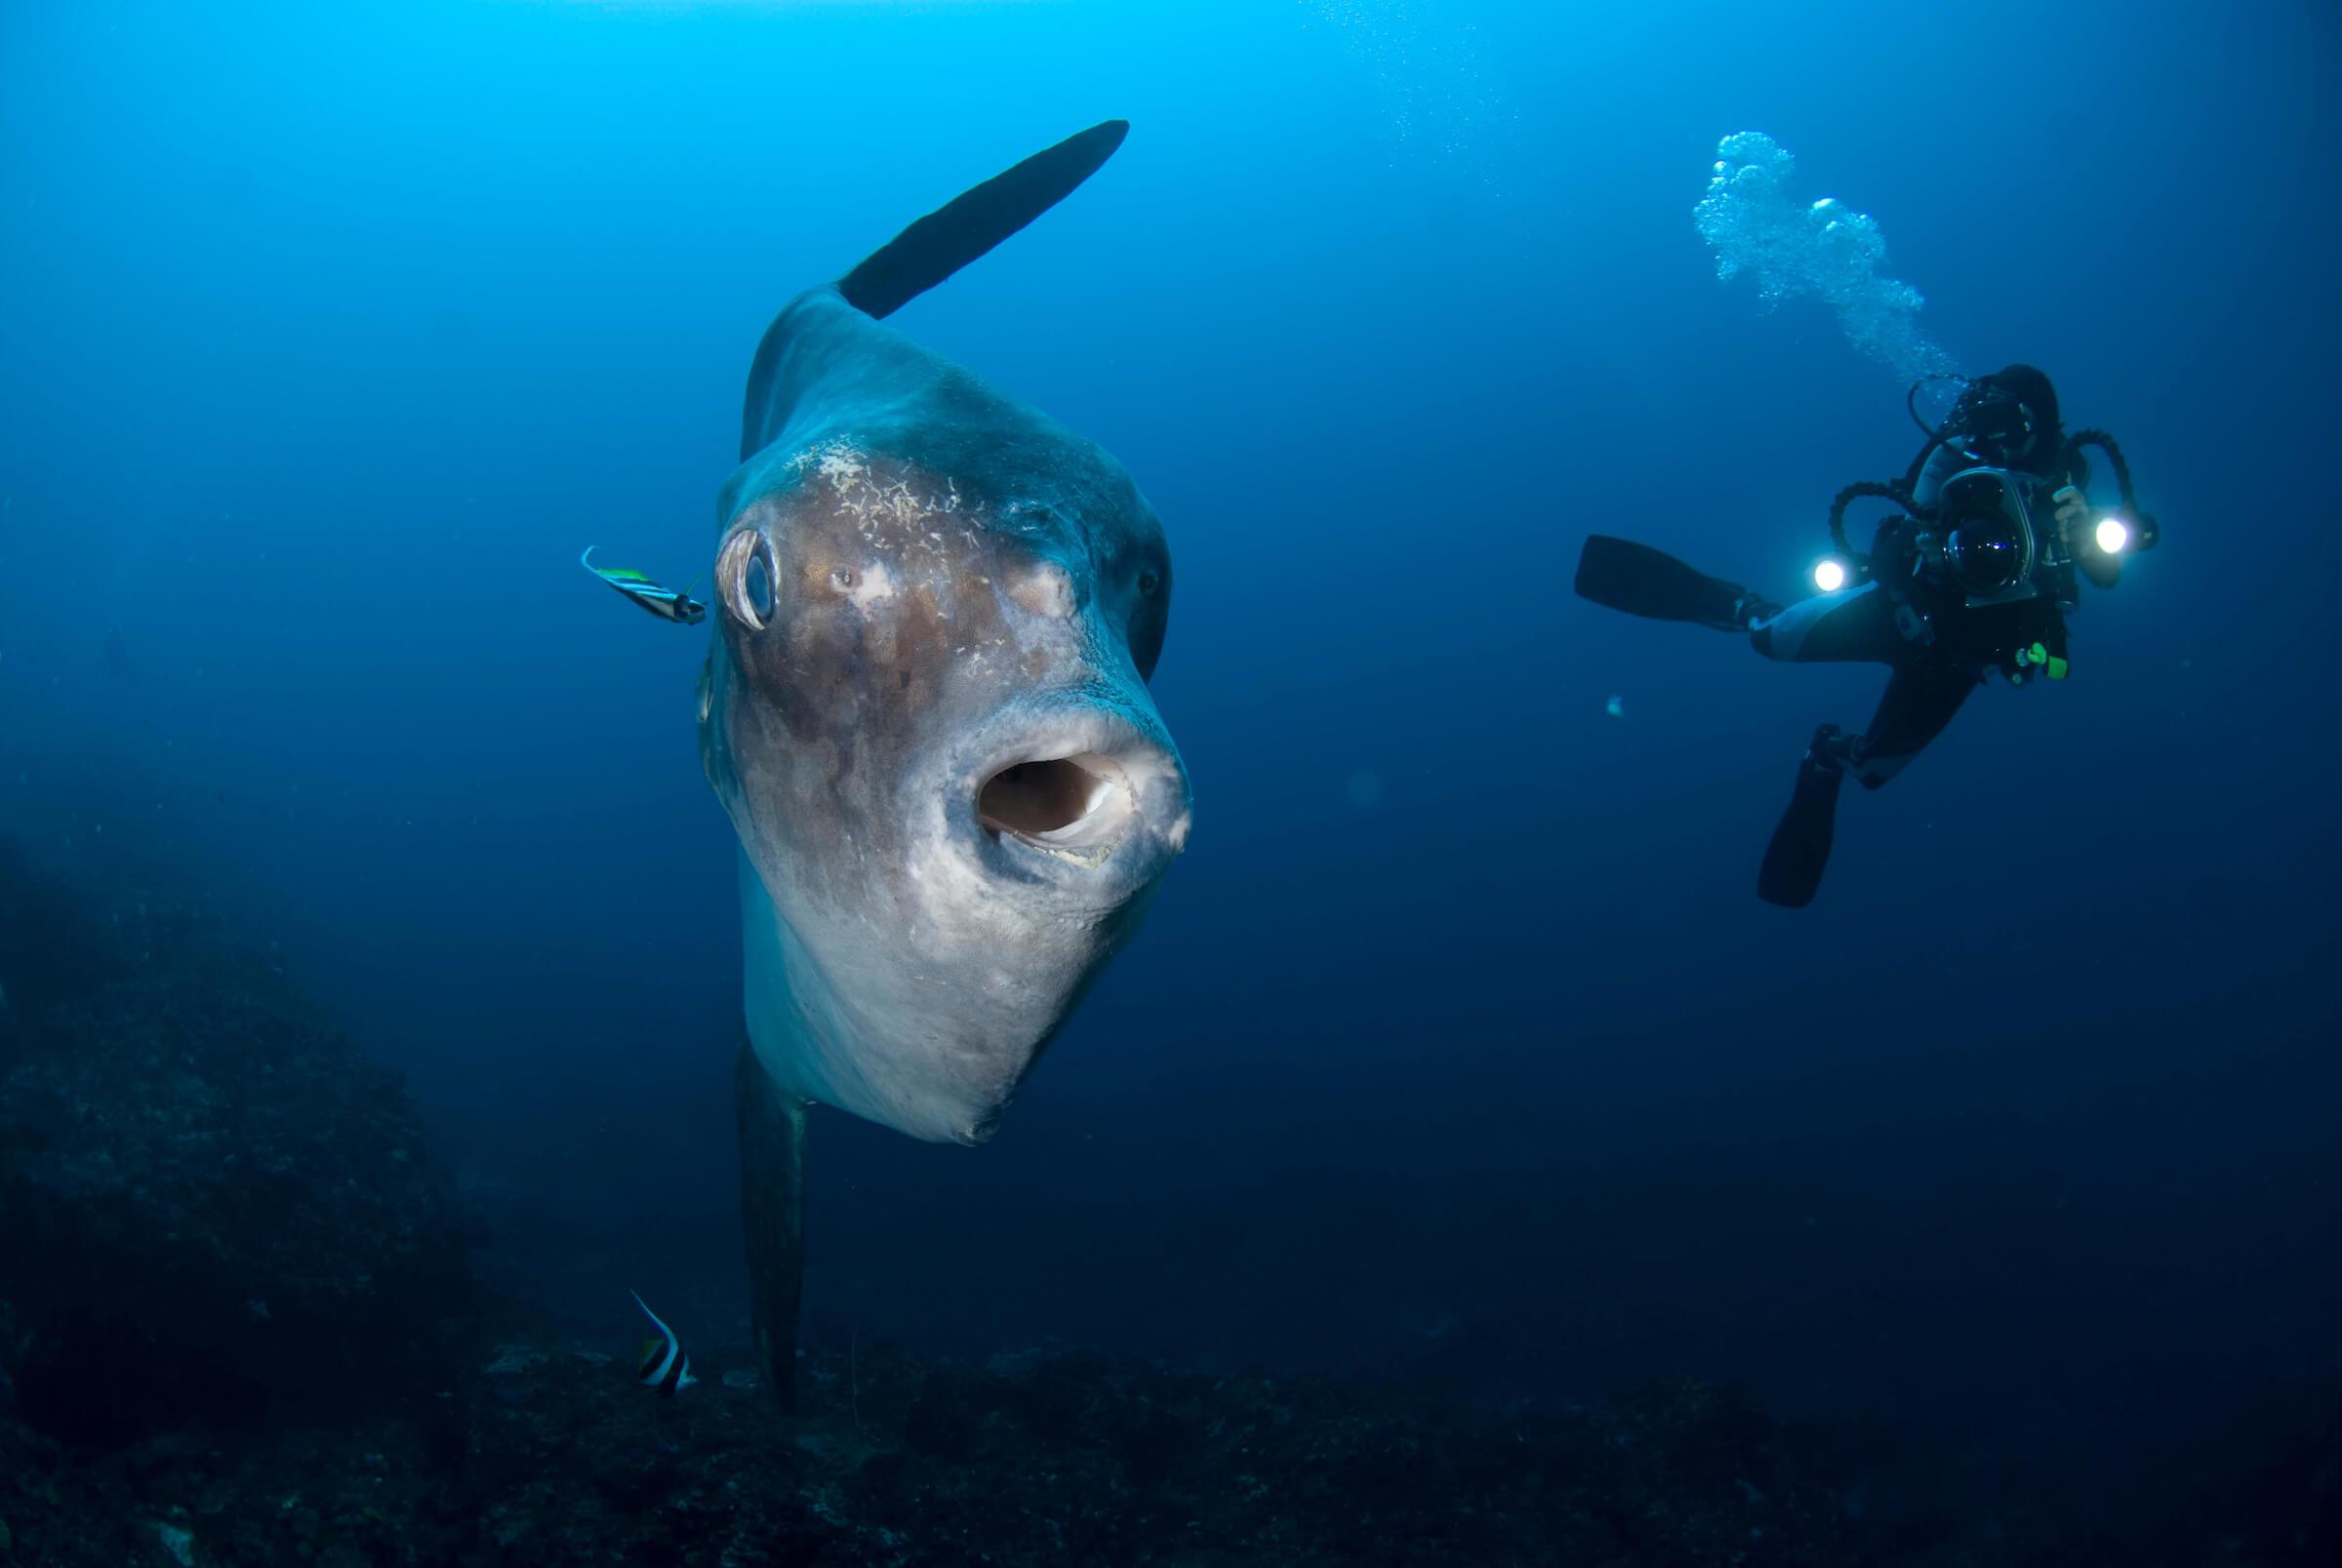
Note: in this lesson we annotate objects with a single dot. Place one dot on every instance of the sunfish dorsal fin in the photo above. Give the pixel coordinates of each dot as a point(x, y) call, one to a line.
point(971, 224)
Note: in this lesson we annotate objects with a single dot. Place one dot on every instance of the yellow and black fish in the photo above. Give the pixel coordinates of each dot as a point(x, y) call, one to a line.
point(664, 1366)
point(664, 602)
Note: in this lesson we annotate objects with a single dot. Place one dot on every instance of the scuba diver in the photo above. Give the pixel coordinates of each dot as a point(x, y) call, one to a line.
point(1974, 573)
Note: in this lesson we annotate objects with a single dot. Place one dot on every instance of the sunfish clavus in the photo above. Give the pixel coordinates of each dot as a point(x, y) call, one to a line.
point(925, 710)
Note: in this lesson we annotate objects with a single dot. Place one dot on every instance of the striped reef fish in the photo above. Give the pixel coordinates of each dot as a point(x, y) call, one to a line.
point(664, 1365)
point(664, 602)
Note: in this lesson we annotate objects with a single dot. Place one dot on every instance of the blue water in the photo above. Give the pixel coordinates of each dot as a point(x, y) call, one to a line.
point(331, 333)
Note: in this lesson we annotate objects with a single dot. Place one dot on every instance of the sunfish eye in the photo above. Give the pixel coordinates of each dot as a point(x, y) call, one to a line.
point(1150, 580)
point(843, 578)
point(744, 578)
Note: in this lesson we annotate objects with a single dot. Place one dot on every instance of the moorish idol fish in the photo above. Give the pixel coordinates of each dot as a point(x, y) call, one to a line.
point(665, 603)
point(664, 1365)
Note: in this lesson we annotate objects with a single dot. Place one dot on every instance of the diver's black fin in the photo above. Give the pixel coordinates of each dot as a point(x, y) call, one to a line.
point(1619, 574)
point(1793, 862)
point(963, 229)
point(772, 1213)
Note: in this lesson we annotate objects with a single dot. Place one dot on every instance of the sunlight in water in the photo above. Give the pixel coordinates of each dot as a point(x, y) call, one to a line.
point(1440, 101)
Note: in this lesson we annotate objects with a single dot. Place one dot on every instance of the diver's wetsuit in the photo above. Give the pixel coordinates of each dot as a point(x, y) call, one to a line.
point(1858, 625)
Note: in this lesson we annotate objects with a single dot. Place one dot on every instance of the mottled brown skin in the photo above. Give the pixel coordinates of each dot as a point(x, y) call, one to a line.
point(920, 584)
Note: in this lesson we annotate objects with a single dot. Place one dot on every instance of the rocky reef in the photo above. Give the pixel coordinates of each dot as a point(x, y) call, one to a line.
point(237, 1327)
point(211, 1205)
point(549, 1454)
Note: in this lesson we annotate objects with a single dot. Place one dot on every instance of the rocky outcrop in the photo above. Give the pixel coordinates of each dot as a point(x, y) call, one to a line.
point(553, 1456)
point(210, 1201)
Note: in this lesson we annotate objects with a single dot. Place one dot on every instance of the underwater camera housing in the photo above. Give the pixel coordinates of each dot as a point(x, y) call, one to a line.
point(1992, 537)
point(1983, 544)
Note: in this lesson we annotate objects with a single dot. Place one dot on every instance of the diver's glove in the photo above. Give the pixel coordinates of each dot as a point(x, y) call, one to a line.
point(2072, 512)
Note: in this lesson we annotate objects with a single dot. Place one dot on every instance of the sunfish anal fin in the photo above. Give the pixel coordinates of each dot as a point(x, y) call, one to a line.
point(772, 1212)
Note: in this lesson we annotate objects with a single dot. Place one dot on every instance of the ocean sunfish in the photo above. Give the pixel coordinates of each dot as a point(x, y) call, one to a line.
point(925, 710)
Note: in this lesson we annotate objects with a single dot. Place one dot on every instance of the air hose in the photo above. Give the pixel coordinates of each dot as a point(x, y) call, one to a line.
point(1853, 492)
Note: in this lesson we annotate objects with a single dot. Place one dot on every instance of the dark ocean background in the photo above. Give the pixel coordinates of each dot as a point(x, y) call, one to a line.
point(1458, 1045)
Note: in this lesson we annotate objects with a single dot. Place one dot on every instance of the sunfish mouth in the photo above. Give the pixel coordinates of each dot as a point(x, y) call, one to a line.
point(1077, 790)
point(1075, 806)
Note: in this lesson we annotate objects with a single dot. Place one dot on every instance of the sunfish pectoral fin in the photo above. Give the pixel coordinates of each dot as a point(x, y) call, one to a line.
point(963, 229)
point(772, 1213)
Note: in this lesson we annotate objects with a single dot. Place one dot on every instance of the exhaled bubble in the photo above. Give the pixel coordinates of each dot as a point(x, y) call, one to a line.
point(1442, 101)
point(1823, 249)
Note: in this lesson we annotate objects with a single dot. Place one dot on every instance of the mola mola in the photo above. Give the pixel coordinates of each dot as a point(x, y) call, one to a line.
point(925, 710)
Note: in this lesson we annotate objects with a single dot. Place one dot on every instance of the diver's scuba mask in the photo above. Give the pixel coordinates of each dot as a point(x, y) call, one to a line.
point(1988, 423)
point(1994, 427)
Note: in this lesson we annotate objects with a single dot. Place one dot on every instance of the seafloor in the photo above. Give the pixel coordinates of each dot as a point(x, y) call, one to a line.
point(238, 1325)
